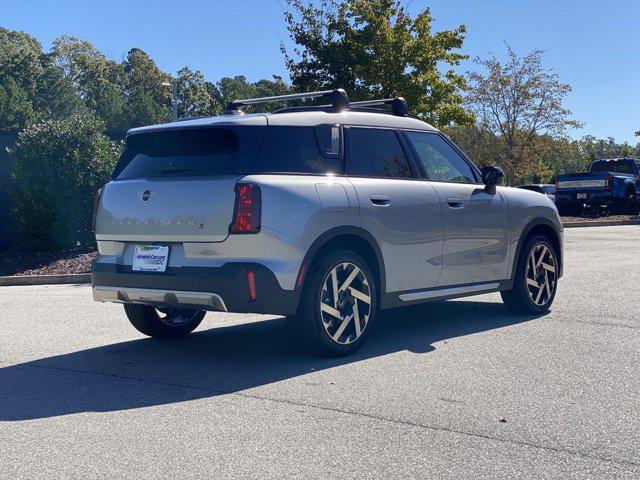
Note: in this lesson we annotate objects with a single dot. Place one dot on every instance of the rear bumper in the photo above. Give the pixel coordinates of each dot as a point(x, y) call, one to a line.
point(224, 288)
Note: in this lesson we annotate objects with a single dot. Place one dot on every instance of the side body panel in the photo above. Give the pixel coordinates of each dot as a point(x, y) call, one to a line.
point(476, 234)
point(405, 218)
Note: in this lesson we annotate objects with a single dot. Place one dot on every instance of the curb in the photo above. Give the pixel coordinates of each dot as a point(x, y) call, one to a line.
point(601, 224)
point(45, 279)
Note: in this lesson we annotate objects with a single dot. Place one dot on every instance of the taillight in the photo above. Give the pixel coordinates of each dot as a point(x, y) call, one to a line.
point(246, 213)
point(607, 181)
point(556, 183)
point(96, 201)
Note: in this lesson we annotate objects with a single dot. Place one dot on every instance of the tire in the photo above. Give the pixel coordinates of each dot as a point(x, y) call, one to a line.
point(566, 210)
point(631, 203)
point(163, 322)
point(322, 322)
point(525, 297)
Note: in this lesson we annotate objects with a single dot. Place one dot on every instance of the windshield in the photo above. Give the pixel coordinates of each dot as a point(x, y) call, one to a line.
point(620, 166)
point(188, 152)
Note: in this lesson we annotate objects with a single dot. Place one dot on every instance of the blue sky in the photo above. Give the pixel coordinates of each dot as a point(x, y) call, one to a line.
point(594, 46)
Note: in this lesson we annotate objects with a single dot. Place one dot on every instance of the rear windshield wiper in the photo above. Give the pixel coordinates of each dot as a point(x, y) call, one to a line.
point(168, 171)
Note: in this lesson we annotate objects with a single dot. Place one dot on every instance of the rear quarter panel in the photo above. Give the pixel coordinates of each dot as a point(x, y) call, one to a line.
point(298, 209)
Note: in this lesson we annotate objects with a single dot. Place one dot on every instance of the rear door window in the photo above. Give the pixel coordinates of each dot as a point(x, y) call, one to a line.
point(376, 152)
point(189, 152)
point(300, 150)
point(440, 161)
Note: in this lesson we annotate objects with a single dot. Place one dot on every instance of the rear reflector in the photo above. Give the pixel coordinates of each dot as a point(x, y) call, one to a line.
point(246, 214)
point(251, 280)
point(301, 274)
point(96, 201)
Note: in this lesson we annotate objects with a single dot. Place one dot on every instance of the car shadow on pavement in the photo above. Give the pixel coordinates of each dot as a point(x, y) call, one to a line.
point(147, 372)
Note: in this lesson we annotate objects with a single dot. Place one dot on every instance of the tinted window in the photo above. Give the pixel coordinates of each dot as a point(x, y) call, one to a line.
point(376, 153)
point(295, 150)
point(614, 167)
point(188, 152)
point(441, 162)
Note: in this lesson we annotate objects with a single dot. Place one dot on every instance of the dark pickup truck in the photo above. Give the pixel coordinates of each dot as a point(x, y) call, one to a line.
point(612, 185)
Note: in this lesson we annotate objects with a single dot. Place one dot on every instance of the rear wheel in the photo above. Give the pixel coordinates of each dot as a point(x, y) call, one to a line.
point(631, 203)
point(160, 322)
point(536, 278)
point(338, 305)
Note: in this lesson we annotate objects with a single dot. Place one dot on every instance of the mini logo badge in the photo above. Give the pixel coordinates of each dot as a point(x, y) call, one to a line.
point(146, 195)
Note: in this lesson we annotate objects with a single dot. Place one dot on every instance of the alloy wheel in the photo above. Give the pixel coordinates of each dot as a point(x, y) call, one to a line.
point(345, 303)
point(174, 317)
point(540, 274)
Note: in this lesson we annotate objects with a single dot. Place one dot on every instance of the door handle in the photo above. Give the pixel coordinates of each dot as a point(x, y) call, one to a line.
point(380, 200)
point(455, 202)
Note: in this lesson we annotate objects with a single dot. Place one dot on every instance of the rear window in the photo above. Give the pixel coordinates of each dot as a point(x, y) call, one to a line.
point(189, 152)
point(300, 150)
point(614, 167)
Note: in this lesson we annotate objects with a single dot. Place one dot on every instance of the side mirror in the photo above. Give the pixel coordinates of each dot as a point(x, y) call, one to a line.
point(492, 176)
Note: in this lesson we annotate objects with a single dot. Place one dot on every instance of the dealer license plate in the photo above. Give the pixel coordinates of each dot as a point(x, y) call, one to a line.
point(150, 258)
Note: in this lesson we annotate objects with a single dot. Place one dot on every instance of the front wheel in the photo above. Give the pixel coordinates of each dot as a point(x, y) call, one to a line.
point(160, 322)
point(338, 305)
point(536, 278)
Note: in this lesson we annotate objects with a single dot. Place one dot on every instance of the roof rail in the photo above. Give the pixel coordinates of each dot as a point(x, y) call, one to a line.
point(398, 105)
point(339, 100)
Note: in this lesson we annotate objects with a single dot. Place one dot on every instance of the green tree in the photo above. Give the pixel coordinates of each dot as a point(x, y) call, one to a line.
point(515, 102)
point(19, 72)
point(148, 101)
point(32, 85)
point(374, 48)
point(55, 95)
point(194, 99)
point(99, 82)
point(59, 164)
point(228, 89)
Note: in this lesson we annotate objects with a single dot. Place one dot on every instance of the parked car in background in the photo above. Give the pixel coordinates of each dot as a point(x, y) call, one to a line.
point(547, 189)
point(325, 214)
point(612, 184)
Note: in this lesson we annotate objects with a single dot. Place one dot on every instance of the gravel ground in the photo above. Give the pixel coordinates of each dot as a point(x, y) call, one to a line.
point(45, 263)
point(595, 220)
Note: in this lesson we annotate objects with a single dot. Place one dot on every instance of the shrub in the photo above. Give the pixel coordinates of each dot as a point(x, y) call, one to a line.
point(59, 164)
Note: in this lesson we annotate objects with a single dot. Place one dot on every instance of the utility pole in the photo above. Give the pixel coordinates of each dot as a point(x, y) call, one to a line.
point(174, 98)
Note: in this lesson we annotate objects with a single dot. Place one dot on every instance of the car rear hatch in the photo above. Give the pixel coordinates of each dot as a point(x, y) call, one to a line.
point(177, 185)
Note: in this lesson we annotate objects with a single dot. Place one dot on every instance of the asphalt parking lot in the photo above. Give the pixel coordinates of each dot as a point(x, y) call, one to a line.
point(459, 389)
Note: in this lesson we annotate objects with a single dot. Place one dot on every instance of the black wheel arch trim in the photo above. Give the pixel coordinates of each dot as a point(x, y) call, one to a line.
point(525, 233)
point(335, 232)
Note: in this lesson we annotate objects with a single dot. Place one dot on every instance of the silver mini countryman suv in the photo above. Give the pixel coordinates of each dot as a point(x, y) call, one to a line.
point(324, 214)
